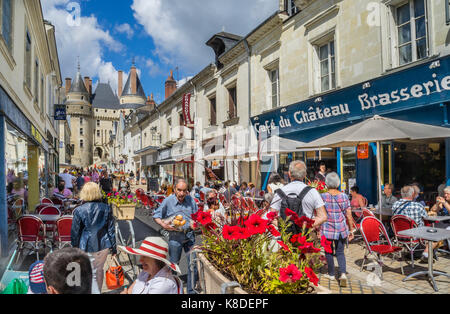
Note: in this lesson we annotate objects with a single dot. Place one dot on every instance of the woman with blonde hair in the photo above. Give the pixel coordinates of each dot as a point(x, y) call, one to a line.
point(93, 230)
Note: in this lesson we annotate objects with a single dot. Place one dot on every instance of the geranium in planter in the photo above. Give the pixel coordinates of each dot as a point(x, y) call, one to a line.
point(263, 259)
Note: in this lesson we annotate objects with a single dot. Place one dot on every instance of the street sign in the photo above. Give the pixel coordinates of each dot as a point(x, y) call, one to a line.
point(60, 113)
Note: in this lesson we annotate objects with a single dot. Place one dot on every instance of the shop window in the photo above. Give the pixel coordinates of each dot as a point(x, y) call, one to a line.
point(28, 62)
point(6, 19)
point(232, 103)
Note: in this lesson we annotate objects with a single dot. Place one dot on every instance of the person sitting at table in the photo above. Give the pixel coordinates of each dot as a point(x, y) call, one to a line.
point(442, 208)
point(418, 195)
point(406, 206)
point(387, 199)
point(19, 189)
point(358, 201)
point(62, 191)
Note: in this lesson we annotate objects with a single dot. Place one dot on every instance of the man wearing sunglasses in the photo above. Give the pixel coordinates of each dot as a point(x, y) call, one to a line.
point(180, 203)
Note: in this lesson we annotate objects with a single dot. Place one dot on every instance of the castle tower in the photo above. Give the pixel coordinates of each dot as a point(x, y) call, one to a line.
point(132, 96)
point(79, 108)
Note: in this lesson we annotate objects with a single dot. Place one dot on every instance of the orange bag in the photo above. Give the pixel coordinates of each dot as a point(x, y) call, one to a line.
point(114, 276)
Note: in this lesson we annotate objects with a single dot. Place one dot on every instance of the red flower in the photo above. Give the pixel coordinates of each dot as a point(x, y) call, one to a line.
point(256, 225)
point(242, 233)
point(311, 276)
point(204, 218)
point(229, 233)
point(284, 246)
point(272, 216)
point(326, 245)
point(290, 213)
point(304, 220)
point(298, 238)
point(308, 247)
point(291, 274)
point(273, 230)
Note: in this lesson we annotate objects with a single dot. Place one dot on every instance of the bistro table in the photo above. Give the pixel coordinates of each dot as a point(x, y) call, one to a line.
point(434, 220)
point(48, 218)
point(431, 235)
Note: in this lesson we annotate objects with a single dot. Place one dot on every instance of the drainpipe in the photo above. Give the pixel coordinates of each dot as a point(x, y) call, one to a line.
point(249, 55)
point(193, 129)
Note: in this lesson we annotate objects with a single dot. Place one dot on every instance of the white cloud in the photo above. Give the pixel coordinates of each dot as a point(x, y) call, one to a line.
point(125, 29)
point(85, 39)
point(180, 29)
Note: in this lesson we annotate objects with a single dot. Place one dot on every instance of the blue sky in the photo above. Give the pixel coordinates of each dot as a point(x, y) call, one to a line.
point(159, 34)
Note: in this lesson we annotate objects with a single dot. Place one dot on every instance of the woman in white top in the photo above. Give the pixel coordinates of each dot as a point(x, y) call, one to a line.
point(275, 183)
point(157, 276)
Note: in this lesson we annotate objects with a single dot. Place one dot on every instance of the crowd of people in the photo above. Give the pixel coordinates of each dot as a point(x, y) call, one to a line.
point(93, 235)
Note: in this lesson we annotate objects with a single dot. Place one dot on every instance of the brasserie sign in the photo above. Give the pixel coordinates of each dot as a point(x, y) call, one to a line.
point(422, 85)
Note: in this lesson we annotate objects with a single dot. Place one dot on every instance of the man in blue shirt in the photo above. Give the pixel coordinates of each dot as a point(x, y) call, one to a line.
point(180, 203)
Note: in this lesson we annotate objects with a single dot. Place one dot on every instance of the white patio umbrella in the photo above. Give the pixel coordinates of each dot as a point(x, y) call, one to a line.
point(379, 129)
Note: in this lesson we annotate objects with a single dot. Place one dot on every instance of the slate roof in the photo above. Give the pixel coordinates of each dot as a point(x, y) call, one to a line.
point(127, 89)
point(104, 98)
point(77, 85)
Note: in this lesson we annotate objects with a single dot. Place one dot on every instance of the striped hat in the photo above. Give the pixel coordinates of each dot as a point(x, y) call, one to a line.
point(36, 277)
point(153, 247)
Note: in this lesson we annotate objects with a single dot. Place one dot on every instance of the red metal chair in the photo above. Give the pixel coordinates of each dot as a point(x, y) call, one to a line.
point(62, 233)
point(401, 223)
point(50, 210)
point(57, 201)
point(377, 241)
point(40, 207)
point(139, 192)
point(31, 231)
point(47, 201)
point(367, 213)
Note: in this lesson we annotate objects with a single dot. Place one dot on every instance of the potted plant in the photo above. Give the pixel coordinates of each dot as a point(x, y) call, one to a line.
point(123, 205)
point(262, 258)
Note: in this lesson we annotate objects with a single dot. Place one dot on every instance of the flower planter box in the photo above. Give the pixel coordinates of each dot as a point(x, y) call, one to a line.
point(213, 280)
point(123, 211)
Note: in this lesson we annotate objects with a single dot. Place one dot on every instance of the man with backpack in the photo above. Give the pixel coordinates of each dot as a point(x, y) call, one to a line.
point(300, 198)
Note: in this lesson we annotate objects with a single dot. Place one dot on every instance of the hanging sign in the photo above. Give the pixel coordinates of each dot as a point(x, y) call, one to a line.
point(187, 111)
point(363, 151)
point(60, 113)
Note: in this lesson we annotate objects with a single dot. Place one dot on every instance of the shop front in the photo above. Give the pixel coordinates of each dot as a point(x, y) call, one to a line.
point(418, 94)
point(22, 174)
point(150, 170)
point(175, 166)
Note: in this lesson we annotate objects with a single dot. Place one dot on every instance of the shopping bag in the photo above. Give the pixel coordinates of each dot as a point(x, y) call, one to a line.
point(17, 286)
point(114, 276)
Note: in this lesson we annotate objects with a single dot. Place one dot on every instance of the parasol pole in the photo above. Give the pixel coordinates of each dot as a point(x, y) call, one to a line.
point(379, 179)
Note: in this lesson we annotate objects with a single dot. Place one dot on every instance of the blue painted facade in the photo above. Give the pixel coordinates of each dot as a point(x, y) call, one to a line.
point(418, 94)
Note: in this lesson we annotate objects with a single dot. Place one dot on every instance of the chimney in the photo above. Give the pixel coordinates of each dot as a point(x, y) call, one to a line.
point(171, 85)
point(151, 102)
point(90, 86)
point(68, 84)
point(133, 80)
point(86, 83)
point(120, 84)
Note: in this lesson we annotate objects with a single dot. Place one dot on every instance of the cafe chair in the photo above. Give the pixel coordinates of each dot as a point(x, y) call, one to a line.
point(62, 236)
point(40, 207)
point(18, 208)
point(401, 223)
point(32, 232)
point(139, 193)
point(377, 242)
point(47, 201)
point(57, 202)
point(51, 211)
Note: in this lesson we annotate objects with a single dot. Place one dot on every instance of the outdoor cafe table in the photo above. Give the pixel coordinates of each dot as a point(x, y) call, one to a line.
point(435, 235)
point(48, 218)
point(436, 219)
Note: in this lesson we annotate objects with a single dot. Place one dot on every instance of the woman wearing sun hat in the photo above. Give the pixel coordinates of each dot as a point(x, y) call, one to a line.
point(157, 276)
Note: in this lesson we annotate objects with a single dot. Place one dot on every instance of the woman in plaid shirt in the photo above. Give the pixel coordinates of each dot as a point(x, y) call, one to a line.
point(335, 230)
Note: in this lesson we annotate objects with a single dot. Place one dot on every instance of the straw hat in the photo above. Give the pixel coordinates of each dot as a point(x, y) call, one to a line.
point(153, 247)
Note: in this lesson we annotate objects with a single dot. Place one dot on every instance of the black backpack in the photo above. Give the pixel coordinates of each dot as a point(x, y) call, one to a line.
point(294, 203)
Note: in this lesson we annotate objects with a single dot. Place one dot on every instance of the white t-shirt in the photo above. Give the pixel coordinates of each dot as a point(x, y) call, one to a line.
point(163, 283)
point(311, 202)
point(67, 179)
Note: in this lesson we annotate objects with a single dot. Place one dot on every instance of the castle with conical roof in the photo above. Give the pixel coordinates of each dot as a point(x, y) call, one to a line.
point(94, 116)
